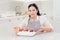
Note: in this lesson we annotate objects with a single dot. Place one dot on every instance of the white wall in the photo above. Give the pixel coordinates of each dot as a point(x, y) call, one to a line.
point(56, 12)
point(5, 8)
point(4, 5)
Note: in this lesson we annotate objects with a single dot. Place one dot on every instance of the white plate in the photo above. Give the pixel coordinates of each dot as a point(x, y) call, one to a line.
point(26, 33)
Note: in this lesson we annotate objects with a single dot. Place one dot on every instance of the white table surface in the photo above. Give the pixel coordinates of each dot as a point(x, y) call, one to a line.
point(42, 36)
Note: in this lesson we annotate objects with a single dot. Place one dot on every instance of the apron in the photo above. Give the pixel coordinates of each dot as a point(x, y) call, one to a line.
point(34, 24)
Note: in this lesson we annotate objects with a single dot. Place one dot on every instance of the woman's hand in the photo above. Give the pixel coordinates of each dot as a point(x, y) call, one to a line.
point(39, 31)
point(16, 29)
point(47, 29)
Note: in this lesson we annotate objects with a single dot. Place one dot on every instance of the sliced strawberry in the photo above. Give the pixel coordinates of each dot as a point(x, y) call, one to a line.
point(31, 30)
point(26, 30)
point(20, 30)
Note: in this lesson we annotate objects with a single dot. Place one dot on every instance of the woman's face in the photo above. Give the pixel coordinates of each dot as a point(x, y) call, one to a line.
point(32, 11)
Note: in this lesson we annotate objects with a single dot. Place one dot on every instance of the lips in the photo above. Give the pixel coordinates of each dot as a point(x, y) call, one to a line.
point(32, 14)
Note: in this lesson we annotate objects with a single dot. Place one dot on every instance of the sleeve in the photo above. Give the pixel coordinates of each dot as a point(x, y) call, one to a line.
point(45, 22)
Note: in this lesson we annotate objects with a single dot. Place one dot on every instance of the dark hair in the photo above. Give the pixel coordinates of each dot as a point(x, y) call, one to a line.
point(34, 5)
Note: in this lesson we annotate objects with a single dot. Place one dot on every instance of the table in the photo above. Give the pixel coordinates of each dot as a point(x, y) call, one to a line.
point(41, 36)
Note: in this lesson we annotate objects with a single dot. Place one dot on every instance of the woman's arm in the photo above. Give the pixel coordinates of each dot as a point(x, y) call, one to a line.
point(45, 24)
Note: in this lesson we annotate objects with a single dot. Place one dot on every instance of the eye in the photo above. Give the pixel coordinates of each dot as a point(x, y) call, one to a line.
point(33, 9)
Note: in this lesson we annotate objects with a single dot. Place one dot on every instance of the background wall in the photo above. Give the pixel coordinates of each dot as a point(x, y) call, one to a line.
point(4, 5)
point(56, 12)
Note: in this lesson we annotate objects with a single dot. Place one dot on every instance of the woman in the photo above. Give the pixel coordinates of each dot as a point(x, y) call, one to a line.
point(36, 21)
